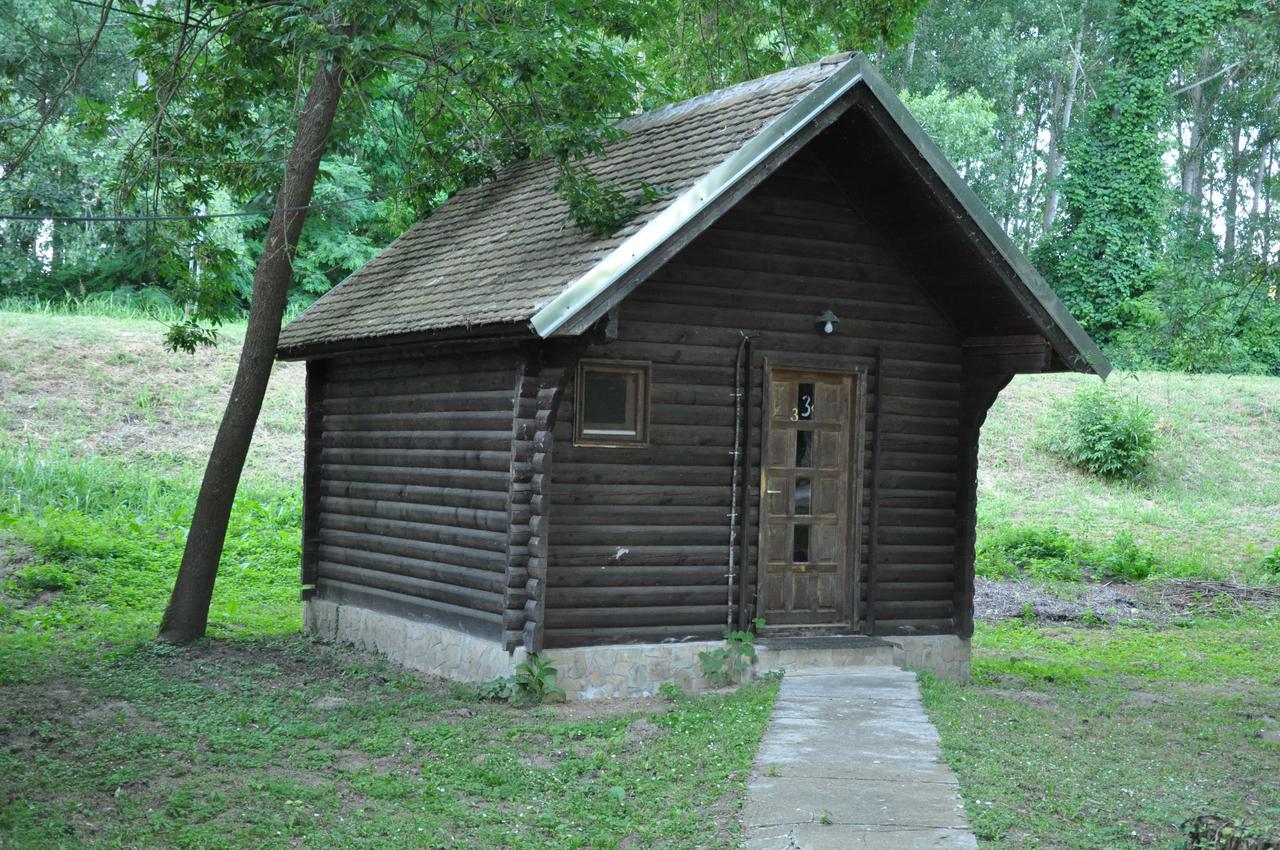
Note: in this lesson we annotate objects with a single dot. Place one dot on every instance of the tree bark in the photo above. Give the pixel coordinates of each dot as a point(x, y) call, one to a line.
point(187, 615)
point(1231, 196)
point(1193, 161)
point(1058, 130)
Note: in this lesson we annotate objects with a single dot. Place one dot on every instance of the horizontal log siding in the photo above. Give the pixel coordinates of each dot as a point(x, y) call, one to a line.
point(415, 469)
point(640, 544)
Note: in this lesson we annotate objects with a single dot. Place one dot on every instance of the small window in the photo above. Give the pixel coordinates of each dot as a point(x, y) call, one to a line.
point(612, 404)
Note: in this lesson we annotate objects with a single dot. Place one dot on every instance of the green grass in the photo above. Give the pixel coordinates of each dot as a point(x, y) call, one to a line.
point(1112, 738)
point(1070, 737)
point(289, 743)
point(1207, 507)
point(258, 737)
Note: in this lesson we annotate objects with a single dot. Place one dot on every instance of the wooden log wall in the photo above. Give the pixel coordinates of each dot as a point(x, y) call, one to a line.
point(640, 546)
point(415, 502)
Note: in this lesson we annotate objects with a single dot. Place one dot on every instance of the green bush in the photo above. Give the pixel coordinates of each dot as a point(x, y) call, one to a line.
point(1271, 563)
point(1106, 434)
point(1039, 551)
point(1045, 552)
point(1126, 560)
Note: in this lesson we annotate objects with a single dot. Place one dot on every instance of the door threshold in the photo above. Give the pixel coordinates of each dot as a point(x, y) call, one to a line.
point(812, 641)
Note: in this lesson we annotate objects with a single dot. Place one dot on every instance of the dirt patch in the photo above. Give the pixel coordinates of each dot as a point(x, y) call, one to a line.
point(1035, 699)
point(599, 709)
point(1159, 601)
point(13, 557)
point(645, 730)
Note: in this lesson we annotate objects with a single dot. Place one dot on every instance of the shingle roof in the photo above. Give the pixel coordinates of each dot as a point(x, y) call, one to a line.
point(497, 252)
point(505, 254)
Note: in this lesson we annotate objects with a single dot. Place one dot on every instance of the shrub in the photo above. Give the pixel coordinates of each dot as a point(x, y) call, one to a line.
point(533, 683)
point(1046, 552)
point(1106, 434)
point(725, 665)
point(1126, 560)
point(1271, 563)
point(1040, 551)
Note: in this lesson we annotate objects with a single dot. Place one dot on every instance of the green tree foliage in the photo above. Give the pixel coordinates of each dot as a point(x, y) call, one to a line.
point(1117, 194)
point(1205, 293)
point(964, 127)
point(180, 113)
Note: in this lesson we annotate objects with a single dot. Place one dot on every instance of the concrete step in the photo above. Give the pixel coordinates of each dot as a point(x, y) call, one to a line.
point(822, 651)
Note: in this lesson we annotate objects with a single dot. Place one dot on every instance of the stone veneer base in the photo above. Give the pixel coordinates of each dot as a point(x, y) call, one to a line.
point(594, 672)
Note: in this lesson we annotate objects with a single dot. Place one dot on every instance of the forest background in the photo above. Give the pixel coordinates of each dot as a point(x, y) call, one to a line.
point(1131, 149)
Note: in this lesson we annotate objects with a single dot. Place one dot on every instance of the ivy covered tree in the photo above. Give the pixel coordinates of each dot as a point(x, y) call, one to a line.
point(1107, 248)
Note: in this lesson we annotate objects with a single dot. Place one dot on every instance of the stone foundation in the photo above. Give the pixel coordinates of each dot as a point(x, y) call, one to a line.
point(600, 672)
point(943, 655)
point(415, 644)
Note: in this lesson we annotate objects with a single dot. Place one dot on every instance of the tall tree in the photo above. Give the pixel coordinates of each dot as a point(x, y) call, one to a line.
point(1118, 198)
point(188, 611)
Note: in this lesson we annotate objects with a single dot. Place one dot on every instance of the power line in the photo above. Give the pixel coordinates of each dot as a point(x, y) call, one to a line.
point(204, 216)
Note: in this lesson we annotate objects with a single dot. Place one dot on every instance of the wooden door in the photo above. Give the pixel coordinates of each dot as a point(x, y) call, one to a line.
point(809, 500)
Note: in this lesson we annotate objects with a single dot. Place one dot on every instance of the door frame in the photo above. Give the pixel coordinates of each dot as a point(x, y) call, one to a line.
point(857, 462)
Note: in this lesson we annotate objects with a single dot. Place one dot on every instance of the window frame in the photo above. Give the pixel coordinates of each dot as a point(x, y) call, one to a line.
point(582, 436)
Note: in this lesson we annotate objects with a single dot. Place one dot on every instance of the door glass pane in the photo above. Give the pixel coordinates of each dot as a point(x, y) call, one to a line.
point(805, 401)
point(804, 495)
point(804, 448)
point(800, 544)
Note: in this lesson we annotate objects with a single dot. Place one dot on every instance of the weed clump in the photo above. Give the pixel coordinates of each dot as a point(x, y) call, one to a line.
point(1271, 563)
point(1106, 434)
point(1046, 552)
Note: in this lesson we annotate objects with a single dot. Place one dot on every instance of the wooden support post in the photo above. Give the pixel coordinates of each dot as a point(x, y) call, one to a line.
point(980, 390)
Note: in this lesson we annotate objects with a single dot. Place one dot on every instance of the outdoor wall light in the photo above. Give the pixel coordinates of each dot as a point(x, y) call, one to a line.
point(826, 323)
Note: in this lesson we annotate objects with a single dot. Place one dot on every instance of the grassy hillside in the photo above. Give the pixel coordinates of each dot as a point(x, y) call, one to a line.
point(1210, 504)
point(91, 387)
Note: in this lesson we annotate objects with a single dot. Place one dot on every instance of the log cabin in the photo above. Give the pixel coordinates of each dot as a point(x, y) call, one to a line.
point(759, 400)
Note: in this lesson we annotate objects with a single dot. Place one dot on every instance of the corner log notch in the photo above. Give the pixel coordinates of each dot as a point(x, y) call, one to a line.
point(542, 376)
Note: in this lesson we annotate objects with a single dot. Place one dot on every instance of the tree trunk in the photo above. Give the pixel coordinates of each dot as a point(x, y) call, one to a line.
point(1058, 130)
point(1231, 196)
point(1193, 161)
point(187, 615)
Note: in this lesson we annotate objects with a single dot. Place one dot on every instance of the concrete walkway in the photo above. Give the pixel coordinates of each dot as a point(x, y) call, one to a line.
point(851, 761)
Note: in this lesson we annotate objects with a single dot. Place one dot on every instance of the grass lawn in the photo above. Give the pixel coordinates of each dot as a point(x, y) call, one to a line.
point(1070, 737)
point(259, 737)
point(1105, 738)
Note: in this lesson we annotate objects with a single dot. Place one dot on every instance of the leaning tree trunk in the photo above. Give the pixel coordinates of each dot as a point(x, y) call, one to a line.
point(188, 612)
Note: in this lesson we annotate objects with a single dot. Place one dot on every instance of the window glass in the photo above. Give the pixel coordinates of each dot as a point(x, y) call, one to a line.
point(611, 404)
point(606, 399)
point(804, 495)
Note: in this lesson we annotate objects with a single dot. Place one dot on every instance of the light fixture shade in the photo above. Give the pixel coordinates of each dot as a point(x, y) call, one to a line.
point(826, 323)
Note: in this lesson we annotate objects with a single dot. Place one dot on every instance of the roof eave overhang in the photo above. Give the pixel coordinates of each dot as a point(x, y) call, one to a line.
point(562, 314)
